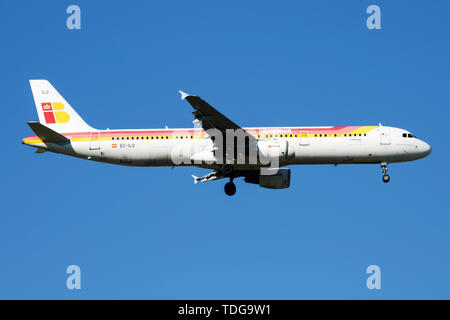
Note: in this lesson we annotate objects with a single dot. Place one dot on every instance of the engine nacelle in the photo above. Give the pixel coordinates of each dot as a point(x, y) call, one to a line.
point(271, 178)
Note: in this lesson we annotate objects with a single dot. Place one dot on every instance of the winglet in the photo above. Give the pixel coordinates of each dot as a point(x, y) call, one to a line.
point(184, 95)
point(195, 179)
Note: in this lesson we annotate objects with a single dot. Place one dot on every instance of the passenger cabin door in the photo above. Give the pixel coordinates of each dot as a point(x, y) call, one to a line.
point(94, 140)
point(385, 136)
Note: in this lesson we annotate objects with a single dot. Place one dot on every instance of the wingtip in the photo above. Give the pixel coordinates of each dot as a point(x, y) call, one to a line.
point(183, 94)
point(195, 179)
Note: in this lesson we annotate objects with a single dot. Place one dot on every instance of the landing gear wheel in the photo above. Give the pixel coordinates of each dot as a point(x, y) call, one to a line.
point(230, 188)
point(386, 177)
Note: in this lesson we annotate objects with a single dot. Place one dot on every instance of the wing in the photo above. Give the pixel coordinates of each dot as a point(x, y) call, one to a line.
point(209, 117)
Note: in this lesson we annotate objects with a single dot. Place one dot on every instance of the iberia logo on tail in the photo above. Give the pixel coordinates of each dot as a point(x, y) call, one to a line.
point(53, 112)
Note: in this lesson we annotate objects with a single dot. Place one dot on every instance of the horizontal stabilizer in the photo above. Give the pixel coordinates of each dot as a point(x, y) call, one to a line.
point(40, 150)
point(46, 134)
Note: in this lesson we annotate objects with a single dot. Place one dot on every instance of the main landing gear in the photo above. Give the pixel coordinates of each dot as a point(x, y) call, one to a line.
point(230, 188)
point(386, 177)
point(227, 169)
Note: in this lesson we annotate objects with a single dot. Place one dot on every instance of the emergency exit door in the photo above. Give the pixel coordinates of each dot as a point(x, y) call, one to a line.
point(385, 136)
point(94, 141)
point(304, 140)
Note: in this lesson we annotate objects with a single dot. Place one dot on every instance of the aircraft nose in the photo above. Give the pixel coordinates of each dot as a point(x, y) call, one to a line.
point(425, 148)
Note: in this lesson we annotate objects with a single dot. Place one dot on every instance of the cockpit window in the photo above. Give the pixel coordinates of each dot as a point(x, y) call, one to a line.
point(410, 135)
point(405, 135)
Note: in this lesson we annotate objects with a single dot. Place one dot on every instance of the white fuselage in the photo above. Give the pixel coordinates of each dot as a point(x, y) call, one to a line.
point(313, 145)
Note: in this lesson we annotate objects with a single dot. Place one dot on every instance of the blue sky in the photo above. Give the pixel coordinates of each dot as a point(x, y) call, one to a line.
point(149, 233)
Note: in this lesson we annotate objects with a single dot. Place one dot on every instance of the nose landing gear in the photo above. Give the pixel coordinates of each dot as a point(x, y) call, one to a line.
point(386, 177)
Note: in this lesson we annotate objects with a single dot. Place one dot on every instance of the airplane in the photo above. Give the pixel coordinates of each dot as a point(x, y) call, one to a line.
point(61, 130)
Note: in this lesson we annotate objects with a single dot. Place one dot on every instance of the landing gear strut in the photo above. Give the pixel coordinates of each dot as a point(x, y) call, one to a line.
point(230, 188)
point(227, 169)
point(386, 177)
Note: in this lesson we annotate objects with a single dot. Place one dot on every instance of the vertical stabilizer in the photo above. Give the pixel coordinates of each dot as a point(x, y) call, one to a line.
point(54, 111)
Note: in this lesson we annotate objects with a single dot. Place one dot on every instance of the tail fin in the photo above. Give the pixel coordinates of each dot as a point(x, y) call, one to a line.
point(54, 111)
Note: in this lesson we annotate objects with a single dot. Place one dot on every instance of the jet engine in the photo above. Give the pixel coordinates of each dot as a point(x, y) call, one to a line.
point(271, 178)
